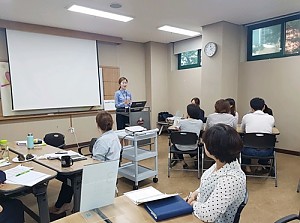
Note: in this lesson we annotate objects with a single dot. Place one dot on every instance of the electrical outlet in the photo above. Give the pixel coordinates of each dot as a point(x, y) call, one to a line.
point(72, 129)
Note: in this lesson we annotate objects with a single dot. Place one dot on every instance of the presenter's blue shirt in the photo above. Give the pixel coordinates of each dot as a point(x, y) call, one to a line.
point(120, 97)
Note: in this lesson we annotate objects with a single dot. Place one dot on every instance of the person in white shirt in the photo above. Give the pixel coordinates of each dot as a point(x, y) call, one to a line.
point(223, 185)
point(257, 122)
point(191, 124)
point(221, 115)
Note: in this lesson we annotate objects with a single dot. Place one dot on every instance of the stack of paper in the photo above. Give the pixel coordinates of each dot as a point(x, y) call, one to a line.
point(23, 175)
point(146, 194)
point(4, 162)
point(134, 129)
point(74, 155)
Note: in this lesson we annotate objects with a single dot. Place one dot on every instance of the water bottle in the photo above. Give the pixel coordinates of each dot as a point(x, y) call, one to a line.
point(30, 143)
point(4, 150)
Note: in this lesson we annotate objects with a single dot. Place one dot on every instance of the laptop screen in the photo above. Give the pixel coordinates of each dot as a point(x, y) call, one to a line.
point(138, 104)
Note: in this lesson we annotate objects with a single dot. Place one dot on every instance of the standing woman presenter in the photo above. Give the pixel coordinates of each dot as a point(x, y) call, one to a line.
point(123, 101)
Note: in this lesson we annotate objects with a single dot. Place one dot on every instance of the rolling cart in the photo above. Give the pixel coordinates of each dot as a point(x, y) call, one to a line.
point(132, 170)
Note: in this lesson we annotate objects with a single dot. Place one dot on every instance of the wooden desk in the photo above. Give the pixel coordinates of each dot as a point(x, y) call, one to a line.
point(122, 211)
point(74, 172)
point(39, 190)
point(275, 131)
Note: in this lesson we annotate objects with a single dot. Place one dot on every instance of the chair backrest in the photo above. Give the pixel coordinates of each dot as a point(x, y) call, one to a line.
point(288, 218)
point(259, 140)
point(55, 139)
point(102, 176)
point(184, 138)
point(92, 142)
point(241, 207)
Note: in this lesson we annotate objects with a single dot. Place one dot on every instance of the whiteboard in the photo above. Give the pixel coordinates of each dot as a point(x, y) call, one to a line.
point(49, 71)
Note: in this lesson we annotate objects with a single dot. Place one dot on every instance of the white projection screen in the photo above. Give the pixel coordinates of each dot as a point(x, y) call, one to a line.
point(49, 71)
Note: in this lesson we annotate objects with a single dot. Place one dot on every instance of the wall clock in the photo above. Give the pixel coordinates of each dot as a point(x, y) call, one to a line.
point(210, 49)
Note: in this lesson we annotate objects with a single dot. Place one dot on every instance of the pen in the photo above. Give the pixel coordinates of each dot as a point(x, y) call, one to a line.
point(61, 153)
point(19, 174)
point(188, 197)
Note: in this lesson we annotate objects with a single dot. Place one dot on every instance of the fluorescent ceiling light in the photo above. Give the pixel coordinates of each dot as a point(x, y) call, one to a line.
point(178, 30)
point(95, 12)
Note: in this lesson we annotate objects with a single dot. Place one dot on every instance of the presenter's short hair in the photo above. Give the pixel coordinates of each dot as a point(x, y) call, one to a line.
point(193, 111)
point(223, 142)
point(222, 106)
point(257, 104)
point(104, 121)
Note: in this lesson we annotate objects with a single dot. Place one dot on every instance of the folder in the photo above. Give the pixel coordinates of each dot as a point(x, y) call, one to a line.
point(168, 208)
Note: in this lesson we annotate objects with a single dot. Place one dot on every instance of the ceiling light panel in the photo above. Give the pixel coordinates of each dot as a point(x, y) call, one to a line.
point(179, 31)
point(102, 14)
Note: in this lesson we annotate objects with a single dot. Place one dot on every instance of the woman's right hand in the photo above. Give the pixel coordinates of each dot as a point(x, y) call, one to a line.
point(192, 197)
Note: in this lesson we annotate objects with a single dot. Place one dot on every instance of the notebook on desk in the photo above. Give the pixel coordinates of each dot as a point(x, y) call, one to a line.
point(137, 106)
point(168, 208)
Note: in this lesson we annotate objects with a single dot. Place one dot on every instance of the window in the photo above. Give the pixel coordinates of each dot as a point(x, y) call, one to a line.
point(190, 59)
point(273, 39)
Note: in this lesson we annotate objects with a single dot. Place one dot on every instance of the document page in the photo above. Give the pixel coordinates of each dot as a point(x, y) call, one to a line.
point(23, 175)
point(146, 194)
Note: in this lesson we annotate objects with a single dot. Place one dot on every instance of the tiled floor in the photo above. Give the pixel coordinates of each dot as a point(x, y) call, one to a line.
point(266, 202)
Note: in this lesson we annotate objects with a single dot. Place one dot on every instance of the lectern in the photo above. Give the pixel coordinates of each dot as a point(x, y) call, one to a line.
point(141, 118)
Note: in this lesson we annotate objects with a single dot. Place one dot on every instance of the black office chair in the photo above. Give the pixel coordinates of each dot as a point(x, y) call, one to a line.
point(241, 207)
point(90, 146)
point(262, 141)
point(183, 138)
point(288, 218)
point(55, 139)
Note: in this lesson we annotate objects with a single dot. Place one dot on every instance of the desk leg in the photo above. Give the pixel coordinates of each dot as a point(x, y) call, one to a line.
point(76, 185)
point(160, 129)
point(40, 192)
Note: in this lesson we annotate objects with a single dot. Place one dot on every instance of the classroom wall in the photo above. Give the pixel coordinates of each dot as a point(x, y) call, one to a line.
point(85, 128)
point(277, 82)
point(130, 58)
point(220, 72)
point(157, 86)
point(183, 85)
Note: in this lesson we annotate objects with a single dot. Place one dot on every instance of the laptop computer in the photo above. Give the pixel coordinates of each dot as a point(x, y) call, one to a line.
point(137, 106)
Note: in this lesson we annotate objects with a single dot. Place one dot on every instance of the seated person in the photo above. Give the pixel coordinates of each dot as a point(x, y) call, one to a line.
point(191, 124)
point(223, 185)
point(221, 115)
point(107, 147)
point(254, 122)
point(268, 110)
point(233, 108)
point(197, 102)
point(11, 210)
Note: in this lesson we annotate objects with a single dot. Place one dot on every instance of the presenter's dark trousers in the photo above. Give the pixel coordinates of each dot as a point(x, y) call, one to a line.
point(13, 211)
point(122, 120)
point(65, 194)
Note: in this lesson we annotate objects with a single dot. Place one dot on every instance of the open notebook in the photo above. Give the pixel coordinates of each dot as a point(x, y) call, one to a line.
point(146, 194)
point(75, 156)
